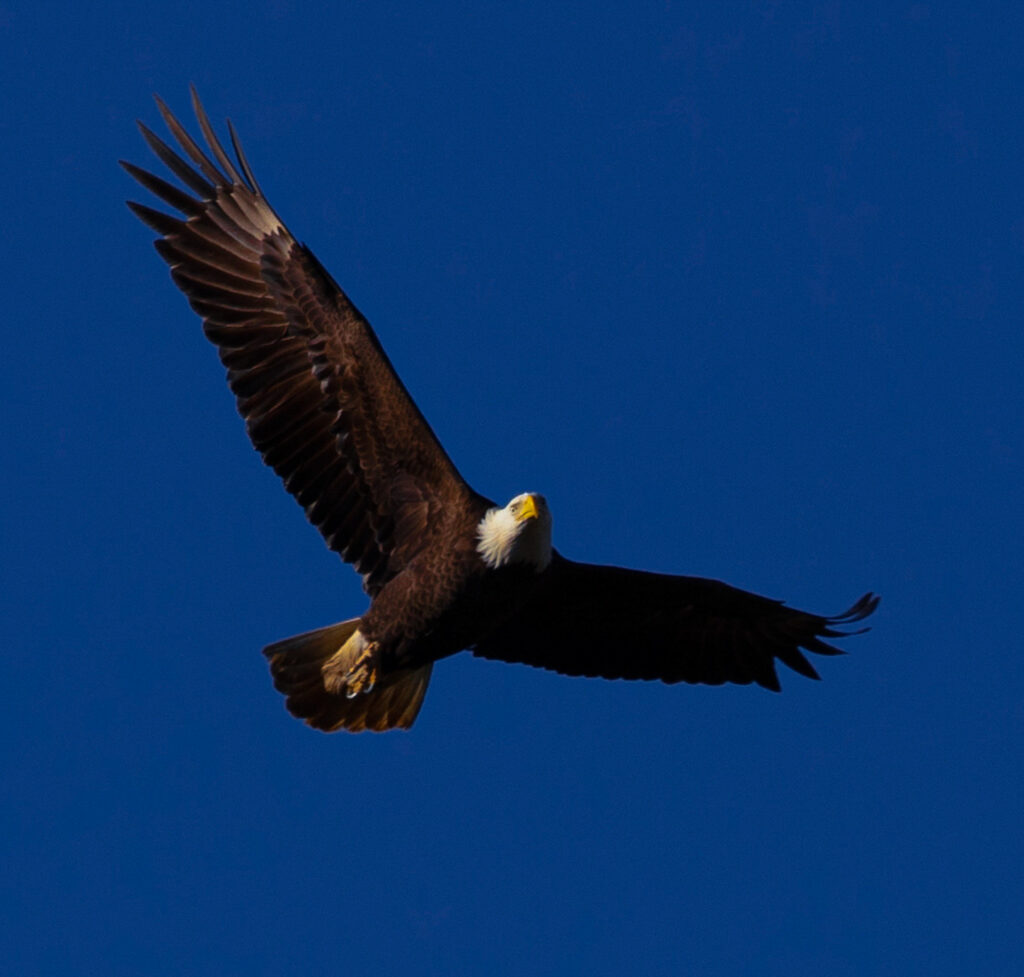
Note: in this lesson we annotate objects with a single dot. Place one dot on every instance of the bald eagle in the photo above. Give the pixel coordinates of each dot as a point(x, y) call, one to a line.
point(445, 568)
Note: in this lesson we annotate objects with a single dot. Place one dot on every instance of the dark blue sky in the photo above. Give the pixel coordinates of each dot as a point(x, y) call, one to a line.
point(738, 287)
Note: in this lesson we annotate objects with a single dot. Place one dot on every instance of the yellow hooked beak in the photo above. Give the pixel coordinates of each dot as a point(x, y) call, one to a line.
point(528, 510)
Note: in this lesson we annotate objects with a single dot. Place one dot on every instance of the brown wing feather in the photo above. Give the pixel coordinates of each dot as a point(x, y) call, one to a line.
point(321, 402)
point(616, 623)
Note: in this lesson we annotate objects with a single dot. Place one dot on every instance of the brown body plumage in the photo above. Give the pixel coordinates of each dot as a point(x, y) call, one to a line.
point(444, 567)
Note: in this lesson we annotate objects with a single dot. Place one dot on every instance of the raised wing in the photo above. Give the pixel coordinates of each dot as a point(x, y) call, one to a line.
point(321, 402)
point(610, 622)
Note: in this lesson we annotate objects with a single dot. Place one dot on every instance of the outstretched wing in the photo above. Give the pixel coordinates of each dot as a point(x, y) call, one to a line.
point(321, 402)
point(616, 623)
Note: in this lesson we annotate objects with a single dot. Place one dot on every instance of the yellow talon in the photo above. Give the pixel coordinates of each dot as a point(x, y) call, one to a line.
point(352, 669)
point(362, 676)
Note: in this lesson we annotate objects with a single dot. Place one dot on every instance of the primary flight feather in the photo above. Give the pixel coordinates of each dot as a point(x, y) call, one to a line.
point(446, 569)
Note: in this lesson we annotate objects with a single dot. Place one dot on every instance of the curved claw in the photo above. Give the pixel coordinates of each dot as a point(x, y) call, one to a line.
point(363, 675)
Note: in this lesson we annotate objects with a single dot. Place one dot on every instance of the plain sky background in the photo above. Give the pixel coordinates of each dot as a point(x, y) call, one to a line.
point(738, 286)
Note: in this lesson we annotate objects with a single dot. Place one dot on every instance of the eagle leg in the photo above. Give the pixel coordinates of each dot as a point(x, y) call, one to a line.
point(353, 668)
point(363, 675)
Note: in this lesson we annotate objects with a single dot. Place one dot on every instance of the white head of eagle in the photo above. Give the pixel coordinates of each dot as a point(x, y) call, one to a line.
point(519, 533)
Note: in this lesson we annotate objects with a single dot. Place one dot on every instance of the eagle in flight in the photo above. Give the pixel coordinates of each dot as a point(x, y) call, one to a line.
point(446, 569)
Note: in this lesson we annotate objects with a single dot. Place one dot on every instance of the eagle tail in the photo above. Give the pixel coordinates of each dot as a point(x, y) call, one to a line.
point(296, 663)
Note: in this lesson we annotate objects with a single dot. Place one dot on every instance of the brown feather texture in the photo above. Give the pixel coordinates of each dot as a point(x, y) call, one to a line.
point(321, 402)
point(326, 410)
